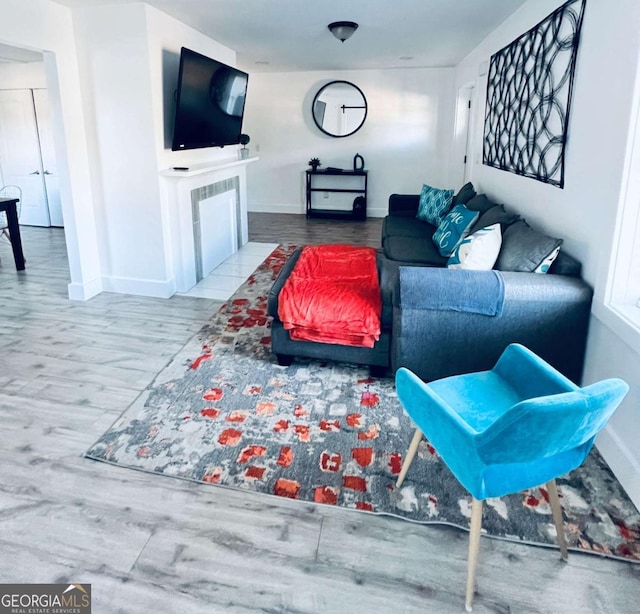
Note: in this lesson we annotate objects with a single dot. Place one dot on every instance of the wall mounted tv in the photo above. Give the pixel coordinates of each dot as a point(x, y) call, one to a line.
point(209, 103)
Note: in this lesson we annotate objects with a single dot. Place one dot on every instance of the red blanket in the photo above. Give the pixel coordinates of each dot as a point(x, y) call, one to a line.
point(333, 296)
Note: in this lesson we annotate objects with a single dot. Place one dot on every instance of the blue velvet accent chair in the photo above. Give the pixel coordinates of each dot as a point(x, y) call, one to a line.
point(517, 426)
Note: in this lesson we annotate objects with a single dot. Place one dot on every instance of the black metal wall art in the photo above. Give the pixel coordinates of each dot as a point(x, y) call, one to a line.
point(529, 96)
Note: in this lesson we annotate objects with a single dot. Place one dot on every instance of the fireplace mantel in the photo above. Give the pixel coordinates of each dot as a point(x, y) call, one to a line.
point(207, 167)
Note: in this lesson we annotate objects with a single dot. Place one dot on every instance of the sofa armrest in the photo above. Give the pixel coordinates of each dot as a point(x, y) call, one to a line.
point(404, 205)
point(549, 314)
point(281, 279)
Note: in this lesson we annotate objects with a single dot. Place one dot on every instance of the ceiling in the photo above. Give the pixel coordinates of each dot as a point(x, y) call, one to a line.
point(292, 35)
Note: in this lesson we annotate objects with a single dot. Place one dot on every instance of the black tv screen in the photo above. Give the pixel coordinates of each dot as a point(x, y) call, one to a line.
point(209, 104)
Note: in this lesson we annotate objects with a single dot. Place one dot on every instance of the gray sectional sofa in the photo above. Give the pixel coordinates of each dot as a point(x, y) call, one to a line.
point(549, 313)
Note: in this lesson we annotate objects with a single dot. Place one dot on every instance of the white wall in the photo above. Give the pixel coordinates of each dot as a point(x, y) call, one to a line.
point(165, 38)
point(405, 140)
point(112, 41)
point(46, 26)
point(584, 212)
point(130, 56)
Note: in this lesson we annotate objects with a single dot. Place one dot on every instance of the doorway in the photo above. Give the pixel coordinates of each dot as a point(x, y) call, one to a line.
point(464, 129)
point(27, 157)
point(37, 51)
point(468, 162)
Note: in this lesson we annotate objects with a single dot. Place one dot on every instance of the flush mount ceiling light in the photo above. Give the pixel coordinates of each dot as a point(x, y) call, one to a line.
point(343, 30)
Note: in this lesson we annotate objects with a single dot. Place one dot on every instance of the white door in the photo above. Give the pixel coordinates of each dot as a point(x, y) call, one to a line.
point(20, 162)
point(43, 117)
point(468, 149)
point(463, 142)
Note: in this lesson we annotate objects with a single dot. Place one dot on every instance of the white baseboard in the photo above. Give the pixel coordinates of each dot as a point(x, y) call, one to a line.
point(83, 292)
point(276, 208)
point(301, 210)
point(139, 287)
point(377, 212)
point(622, 462)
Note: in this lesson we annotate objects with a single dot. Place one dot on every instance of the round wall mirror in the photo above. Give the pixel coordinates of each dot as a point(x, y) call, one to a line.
point(339, 108)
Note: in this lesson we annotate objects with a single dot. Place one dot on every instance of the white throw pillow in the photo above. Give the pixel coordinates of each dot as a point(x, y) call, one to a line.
point(478, 251)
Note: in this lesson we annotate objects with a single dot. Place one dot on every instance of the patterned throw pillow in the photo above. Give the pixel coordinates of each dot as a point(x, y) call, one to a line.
point(453, 229)
point(434, 204)
point(545, 265)
point(479, 251)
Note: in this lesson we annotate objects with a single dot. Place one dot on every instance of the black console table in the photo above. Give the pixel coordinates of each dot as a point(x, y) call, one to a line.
point(359, 209)
point(9, 206)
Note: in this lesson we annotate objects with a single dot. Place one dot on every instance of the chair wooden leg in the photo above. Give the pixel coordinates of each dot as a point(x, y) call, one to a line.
point(411, 452)
point(474, 547)
point(556, 512)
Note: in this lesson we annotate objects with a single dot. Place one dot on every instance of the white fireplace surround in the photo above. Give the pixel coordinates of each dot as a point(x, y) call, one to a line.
point(194, 247)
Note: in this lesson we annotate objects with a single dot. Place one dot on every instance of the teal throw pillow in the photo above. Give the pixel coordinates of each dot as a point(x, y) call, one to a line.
point(453, 229)
point(434, 204)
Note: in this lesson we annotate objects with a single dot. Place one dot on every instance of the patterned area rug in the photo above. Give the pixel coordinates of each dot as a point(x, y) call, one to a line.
point(223, 412)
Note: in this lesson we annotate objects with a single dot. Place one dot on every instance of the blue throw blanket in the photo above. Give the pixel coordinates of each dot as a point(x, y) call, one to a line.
point(432, 288)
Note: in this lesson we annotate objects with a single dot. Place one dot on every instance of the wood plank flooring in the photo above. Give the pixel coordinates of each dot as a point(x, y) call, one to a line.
point(286, 228)
point(153, 544)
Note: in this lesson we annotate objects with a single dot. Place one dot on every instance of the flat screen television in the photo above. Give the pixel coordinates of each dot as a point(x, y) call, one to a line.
point(209, 103)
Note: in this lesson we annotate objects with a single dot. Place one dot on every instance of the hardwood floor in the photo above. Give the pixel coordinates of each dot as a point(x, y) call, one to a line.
point(153, 544)
point(286, 228)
